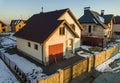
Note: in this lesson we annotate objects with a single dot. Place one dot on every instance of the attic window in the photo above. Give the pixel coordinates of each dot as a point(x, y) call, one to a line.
point(73, 26)
point(62, 31)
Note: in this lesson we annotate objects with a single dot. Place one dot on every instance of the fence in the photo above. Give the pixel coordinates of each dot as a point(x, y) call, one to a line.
point(19, 73)
point(81, 67)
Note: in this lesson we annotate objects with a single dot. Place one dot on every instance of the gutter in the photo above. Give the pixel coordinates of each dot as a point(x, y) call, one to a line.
point(42, 52)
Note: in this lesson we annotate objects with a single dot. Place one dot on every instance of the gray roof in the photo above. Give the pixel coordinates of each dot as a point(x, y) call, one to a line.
point(94, 17)
point(117, 20)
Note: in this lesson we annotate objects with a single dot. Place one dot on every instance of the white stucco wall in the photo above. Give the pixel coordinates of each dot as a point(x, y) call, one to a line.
point(22, 45)
point(58, 39)
point(70, 20)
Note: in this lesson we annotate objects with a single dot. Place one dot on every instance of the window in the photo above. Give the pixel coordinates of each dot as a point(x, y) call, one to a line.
point(19, 25)
point(89, 30)
point(29, 44)
point(36, 46)
point(72, 26)
point(3, 30)
point(94, 28)
point(62, 31)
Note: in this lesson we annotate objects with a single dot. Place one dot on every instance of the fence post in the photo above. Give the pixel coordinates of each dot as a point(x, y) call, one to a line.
point(61, 75)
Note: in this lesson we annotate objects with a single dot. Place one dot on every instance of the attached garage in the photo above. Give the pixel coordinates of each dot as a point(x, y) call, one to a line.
point(55, 53)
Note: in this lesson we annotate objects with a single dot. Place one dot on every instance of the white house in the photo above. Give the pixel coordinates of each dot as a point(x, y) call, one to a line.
point(48, 37)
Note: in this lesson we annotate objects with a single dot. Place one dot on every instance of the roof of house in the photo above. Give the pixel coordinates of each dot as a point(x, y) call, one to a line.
point(117, 20)
point(3, 23)
point(94, 17)
point(39, 27)
point(15, 22)
point(108, 18)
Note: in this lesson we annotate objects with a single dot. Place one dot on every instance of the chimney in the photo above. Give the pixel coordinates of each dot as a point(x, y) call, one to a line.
point(86, 9)
point(102, 12)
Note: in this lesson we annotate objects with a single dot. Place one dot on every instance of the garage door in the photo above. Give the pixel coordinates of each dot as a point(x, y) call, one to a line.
point(55, 53)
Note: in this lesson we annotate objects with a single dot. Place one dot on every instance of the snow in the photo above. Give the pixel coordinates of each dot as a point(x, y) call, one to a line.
point(32, 71)
point(84, 54)
point(23, 63)
point(85, 47)
point(7, 42)
point(104, 67)
point(5, 75)
point(95, 21)
point(101, 19)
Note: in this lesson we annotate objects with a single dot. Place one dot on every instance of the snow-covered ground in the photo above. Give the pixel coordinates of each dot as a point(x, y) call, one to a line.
point(32, 71)
point(7, 41)
point(86, 54)
point(5, 74)
point(104, 67)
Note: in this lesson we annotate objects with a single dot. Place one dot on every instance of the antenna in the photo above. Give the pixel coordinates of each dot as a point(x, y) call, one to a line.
point(42, 9)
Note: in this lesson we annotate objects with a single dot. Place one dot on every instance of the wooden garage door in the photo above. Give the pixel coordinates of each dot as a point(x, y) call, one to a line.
point(55, 53)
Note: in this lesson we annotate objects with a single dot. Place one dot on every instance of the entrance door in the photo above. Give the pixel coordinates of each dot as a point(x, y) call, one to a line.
point(69, 46)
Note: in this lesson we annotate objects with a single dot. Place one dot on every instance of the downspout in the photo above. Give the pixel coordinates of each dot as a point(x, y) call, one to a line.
point(42, 53)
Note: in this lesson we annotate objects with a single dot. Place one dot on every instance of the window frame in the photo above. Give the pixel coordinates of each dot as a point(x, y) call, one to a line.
point(94, 28)
point(35, 46)
point(29, 44)
point(62, 31)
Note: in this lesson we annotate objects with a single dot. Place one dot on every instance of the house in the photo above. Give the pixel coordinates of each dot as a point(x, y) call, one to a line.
point(3, 27)
point(96, 27)
point(16, 25)
point(116, 25)
point(49, 37)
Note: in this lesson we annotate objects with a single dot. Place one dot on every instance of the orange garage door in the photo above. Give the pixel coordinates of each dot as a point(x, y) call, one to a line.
point(55, 53)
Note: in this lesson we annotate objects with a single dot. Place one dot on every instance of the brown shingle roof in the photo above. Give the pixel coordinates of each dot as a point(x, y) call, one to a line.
point(40, 26)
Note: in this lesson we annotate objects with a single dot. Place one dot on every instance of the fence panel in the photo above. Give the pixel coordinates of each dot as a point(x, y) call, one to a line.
point(100, 58)
point(54, 78)
point(67, 74)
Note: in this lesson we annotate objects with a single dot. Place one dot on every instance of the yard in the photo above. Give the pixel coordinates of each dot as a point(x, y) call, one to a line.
point(19, 64)
point(108, 72)
point(5, 74)
point(34, 72)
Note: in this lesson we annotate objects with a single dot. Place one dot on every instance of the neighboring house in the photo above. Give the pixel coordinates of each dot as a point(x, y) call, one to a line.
point(96, 26)
point(16, 25)
point(116, 25)
point(3, 27)
point(49, 37)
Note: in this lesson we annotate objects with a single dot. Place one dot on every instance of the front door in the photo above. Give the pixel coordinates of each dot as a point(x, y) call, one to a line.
point(69, 46)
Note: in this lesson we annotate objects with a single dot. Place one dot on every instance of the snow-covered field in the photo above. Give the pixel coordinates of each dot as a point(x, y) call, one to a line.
point(31, 71)
point(5, 74)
